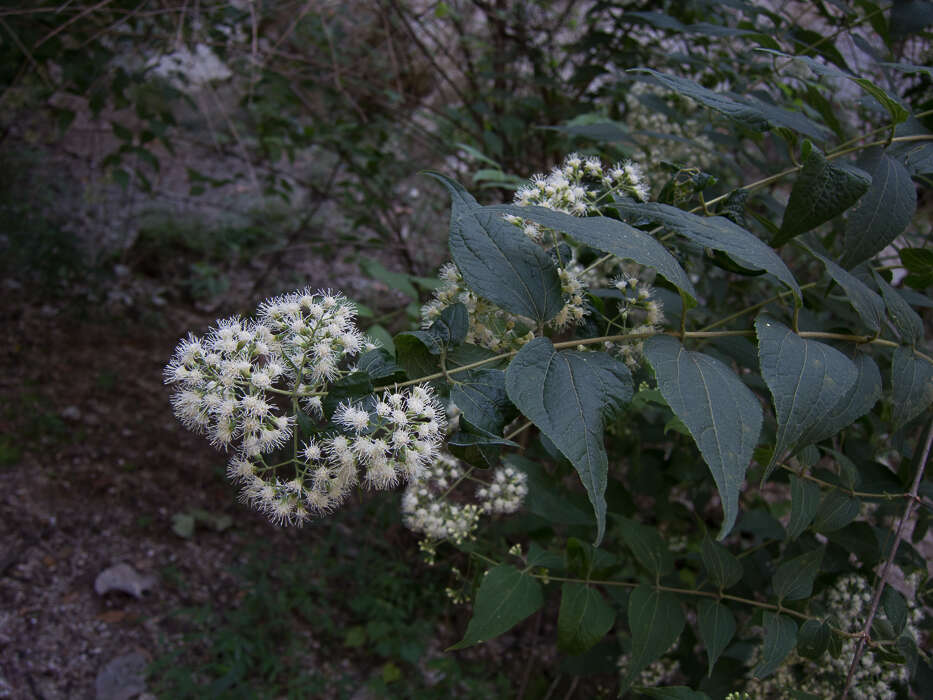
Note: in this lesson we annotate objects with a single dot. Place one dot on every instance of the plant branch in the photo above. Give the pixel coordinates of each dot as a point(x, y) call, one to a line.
point(865, 634)
point(644, 335)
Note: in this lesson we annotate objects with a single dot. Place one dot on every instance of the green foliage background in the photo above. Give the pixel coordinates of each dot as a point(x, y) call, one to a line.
point(785, 407)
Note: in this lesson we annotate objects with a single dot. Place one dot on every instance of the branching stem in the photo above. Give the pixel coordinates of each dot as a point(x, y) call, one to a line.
point(865, 635)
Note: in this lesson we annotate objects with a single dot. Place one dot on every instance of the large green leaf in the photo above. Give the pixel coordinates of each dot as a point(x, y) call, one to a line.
point(749, 111)
point(822, 191)
point(908, 323)
point(866, 302)
point(716, 626)
point(568, 395)
point(498, 261)
point(610, 236)
point(911, 386)
point(780, 639)
point(804, 500)
point(794, 579)
point(480, 395)
point(394, 280)
point(806, 378)
point(835, 512)
point(452, 326)
point(858, 401)
point(649, 548)
point(718, 233)
point(919, 263)
point(897, 112)
point(584, 618)
point(722, 566)
point(721, 413)
point(885, 210)
point(656, 621)
point(506, 596)
point(895, 608)
point(449, 330)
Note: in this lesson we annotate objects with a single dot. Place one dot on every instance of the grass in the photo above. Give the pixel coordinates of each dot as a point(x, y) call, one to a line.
point(349, 608)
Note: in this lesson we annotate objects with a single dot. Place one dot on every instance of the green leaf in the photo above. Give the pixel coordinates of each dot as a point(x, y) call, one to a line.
point(806, 378)
point(835, 512)
point(506, 596)
point(866, 303)
point(584, 618)
point(895, 110)
point(498, 261)
point(780, 638)
point(748, 111)
point(804, 501)
point(911, 386)
point(722, 414)
point(452, 326)
point(895, 608)
point(393, 280)
point(919, 262)
point(391, 673)
point(724, 568)
point(718, 233)
point(885, 210)
point(413, 354)
point(480, 394)
point(822, 191)
point(477, 437)
point(716, 626)
point(350, 387)
point(794, 579)
point(907, 646)
point(813, 639)
point(908, 323)
point(724, 104)
point(858, 401)
point(183, 525)
point(378, 364)
point(610, 236)
point(648, 547)
point(656, 621)
point(568, 395)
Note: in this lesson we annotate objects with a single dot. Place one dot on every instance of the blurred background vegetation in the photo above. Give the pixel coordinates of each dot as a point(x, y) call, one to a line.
point(171, 159)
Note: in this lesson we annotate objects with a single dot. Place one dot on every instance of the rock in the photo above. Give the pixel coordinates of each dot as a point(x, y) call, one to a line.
point(122, 678)
point(71, 413)
point(125, 578)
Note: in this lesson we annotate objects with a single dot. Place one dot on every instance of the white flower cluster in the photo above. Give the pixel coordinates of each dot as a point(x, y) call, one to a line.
point(394, 440)
point(579, 186)
point(428, 509)
point(244, 382)
point(222, 386)
point(506, 492)
point(663, 137)
point(639, 313)
point(848, 602)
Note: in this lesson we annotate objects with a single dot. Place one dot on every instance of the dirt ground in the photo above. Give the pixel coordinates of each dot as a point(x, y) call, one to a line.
point(96, 469)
